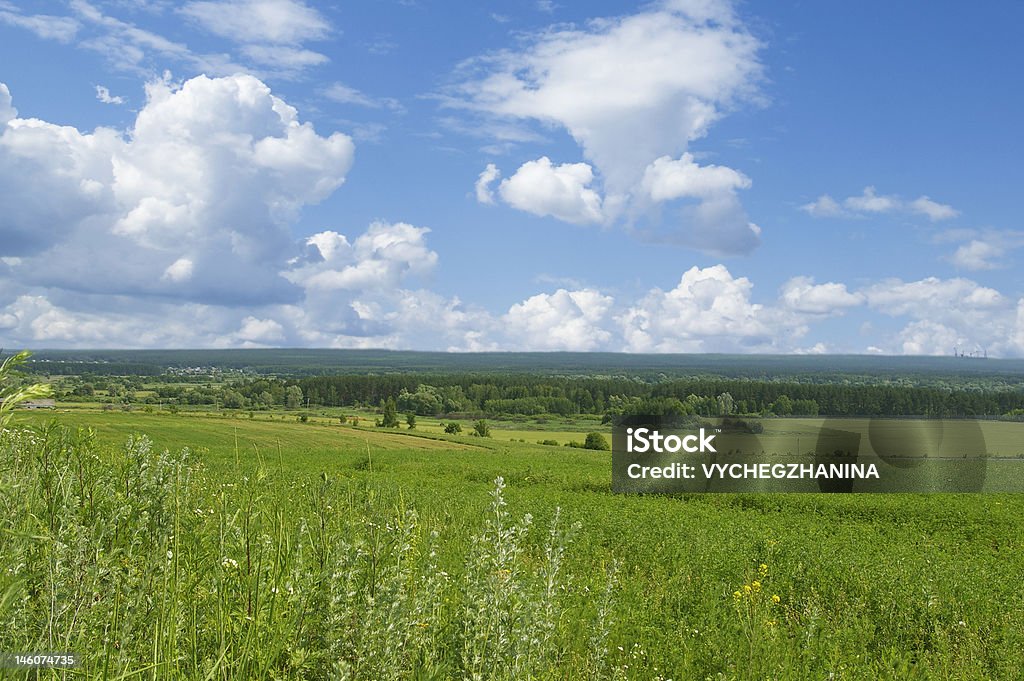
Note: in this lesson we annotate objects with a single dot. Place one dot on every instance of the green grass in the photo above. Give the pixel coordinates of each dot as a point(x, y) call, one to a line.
point(378, 555)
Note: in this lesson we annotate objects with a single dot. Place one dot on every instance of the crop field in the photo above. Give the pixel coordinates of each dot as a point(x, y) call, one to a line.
point(277, 549)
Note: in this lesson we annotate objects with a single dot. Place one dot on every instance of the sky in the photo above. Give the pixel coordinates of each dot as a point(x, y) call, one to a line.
point(675, 176)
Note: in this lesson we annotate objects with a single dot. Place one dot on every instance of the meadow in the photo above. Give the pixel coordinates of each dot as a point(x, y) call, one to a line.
point(279, 549)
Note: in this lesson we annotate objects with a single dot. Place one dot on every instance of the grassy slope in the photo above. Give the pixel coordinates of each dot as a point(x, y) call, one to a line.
point(896, 586)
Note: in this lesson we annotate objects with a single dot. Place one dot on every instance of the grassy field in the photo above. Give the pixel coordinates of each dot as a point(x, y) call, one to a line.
point(279, 549)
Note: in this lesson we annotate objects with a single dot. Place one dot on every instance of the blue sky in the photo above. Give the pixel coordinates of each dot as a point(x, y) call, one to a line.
point(688, 175)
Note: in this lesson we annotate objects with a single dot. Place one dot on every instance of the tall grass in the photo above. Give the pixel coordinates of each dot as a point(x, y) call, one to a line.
point(147, 568)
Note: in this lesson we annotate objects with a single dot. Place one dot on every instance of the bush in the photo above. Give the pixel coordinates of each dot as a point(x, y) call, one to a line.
point(596, 441)
point(481, 429)
point(452, 428)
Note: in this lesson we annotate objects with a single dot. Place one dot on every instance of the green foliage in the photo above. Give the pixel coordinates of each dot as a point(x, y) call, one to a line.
point(481, 429)
point(453, 428)
point(596, 441)
point(293, 397)
point(12, 395)
point(410, 421)
point(389, 414)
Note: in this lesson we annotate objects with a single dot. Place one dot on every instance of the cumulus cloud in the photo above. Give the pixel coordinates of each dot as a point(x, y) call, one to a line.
point(976, 255)
point(7, 110)
point(944, 312)
point(708, 311)
point(244, 166)
point(562, 191)
point(563, 320)
point(669, 178)
point(103, 94)
point(484, 193)
point(669, 72)
point(380, 258)
point(870, 202)
point(801, 294)
point(986, 249)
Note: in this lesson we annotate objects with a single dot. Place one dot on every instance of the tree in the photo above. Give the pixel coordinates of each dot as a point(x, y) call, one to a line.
point(481, 429)
point(410, 421)
point(596, 441)
point(293, 397)
point(389, 414)
point(725, 404)
point(452, 428)
point(783, 406)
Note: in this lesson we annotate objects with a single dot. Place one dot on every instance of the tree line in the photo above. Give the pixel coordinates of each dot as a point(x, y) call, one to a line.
point(518, 394)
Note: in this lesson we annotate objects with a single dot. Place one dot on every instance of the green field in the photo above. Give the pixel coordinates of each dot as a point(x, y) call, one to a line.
point(302, 550)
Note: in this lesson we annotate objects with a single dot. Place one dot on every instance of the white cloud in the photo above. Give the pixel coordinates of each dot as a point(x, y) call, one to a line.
point(283, 57)
point(801, 294)
point(262, 331)
point(381, 258)
point(103, 94)
point(944, 312)
point(667, 179)
point(130, 48)
point(563, 320)
point(484, 193)
point(179, 270)
point(7, 110)
point(925, 337)
point(935, 211)
point(933, 298)
point(709, 311)
point(667, 74)
point(986, 249)
point(562, 191)
point(259, 21)
point(976, 255)
point(343, 94)
point(244, 166)
point(871, 202)
point(49, 27)
point(824, 207)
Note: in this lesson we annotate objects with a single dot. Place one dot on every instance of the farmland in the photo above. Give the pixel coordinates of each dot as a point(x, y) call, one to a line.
point(282, 549)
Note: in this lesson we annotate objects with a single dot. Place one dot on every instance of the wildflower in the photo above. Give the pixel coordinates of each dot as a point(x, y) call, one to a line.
point(229, 564)
point(170, 554)
point(737, 595)
point(756, 585)
point(762, 569)
point(746, 588)
point(776, 599)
